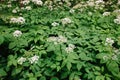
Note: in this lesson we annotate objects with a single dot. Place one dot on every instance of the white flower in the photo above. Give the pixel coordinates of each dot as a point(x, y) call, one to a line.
point(106, 13)
point(22, 8)
point(14, 11)
point(55, 24)
point(99, 2)
point(118, 2)
point(52, 39)
point(25, 2)
point(21, 60)
point(72, 11)
point(9, 5)
point(28, 8)
point(70, 48)
point(117, 21)
point(62, 39)
point(90, 3)
point(66, 21)
point(109, 41)
point(114, 57)
point(19, 20)
point(17, 33)
point(118, 16)
point(90, 13)
point(33, 59)
point(59, 39)
point(37, 2)
point(13, 20)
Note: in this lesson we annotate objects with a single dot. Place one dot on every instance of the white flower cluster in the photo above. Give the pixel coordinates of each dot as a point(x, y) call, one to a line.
point(17, 33)
point(28, 8)
point(21, 60)
point(16, 10)
point(59, 39)
point(55, 24)
point(25, 2)
point(70, 48)
point(109, 41)
point(117, 20)
point(98, 4)
point(19, 20)
point(37, 2)
point(32, 60)
point(72, 11)
point(106, 13)
point(112, 57)
point(9, 5)
point(91, 3)
point(118, 2)
point(66, 21)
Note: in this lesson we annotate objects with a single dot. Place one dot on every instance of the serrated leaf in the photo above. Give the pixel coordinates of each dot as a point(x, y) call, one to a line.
point(79, 66)
point(72, 75)
point(68, 65)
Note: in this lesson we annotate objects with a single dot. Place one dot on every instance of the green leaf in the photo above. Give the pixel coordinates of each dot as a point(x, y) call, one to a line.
point(83, 56)
point(12, 45)
point(76, 77)
point(73, 56)
point(16, 71)
point(100, 78)
point(1, 39)
point(2, 73)
point(64, 75)
point(68, 65)
point(101, 55)
point(113, 67)
point(51, 47)
point(107, 78)
point(72, 75)
point(32, 78)
point(79, 65)
point(43, 78)
point(54, 78)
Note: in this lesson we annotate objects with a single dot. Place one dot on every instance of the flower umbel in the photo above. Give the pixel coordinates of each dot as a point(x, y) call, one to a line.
point(70, 48)
point(17, 33)
point(21, 60)
point(55, 24)
point(33, 59)
point(109, 41)
point(66, 21)
point(56, 40)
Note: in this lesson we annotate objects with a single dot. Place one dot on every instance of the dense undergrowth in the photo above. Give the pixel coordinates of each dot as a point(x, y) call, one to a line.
point(59, 40)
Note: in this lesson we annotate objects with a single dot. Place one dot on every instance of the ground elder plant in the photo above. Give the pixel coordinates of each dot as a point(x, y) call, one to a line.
point(59, 40)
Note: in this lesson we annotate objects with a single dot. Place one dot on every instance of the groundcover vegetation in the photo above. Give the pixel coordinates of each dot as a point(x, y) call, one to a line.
point(59, 40)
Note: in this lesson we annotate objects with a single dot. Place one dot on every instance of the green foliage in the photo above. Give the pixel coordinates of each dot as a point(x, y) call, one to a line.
point(86, 47)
